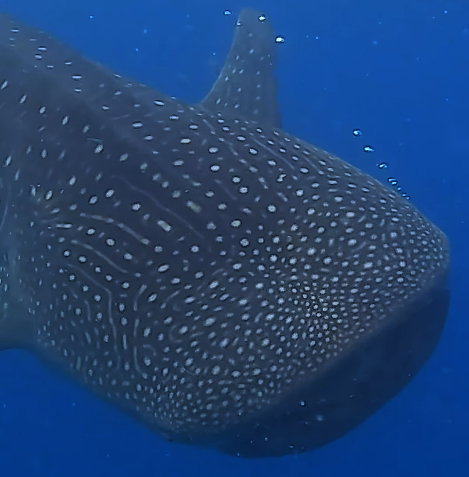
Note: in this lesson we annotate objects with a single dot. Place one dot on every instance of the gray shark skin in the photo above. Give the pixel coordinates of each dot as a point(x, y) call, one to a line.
point(224, 282)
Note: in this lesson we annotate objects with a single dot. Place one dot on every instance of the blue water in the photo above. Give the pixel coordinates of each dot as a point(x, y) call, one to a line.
point(398, 71)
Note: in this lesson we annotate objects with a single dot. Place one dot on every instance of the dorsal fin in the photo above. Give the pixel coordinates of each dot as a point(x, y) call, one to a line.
point(246, 87)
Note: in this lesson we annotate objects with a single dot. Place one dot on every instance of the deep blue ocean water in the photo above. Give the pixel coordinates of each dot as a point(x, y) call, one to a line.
point(396, 70)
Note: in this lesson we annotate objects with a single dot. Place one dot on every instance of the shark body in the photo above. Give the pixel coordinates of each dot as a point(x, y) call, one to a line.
point(226, 283)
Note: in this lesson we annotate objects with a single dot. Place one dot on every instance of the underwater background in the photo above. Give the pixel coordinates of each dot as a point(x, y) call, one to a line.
point(376, 83)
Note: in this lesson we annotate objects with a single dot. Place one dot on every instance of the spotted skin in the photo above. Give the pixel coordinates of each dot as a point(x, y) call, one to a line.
point(224, 282)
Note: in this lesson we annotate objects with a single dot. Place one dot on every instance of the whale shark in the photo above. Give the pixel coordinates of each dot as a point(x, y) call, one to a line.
point(227, 284)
